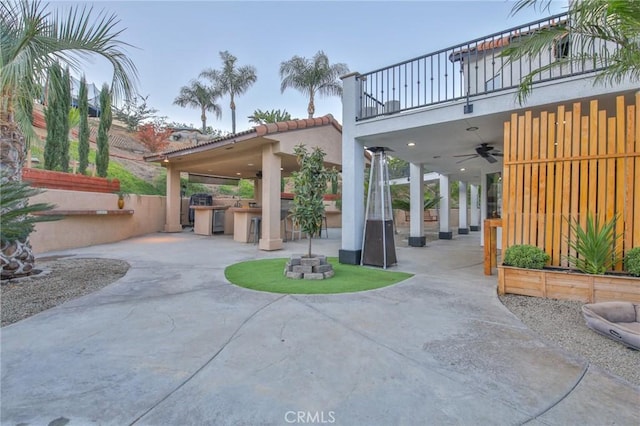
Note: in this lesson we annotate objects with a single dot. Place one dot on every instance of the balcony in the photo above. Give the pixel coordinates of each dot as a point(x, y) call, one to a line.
point(470, 70)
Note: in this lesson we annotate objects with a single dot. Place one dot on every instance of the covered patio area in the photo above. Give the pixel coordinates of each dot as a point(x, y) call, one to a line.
point(264, 154)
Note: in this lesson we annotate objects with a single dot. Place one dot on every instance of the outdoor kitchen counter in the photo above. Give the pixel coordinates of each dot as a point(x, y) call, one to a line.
point(203, 218)
point(242, 220)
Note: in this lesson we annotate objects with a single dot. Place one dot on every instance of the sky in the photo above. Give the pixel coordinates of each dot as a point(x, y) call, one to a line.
point(176, 40)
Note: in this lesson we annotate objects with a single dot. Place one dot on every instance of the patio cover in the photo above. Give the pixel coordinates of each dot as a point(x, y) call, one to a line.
point(264, 153)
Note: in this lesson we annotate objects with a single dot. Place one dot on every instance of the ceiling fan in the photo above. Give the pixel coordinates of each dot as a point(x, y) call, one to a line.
point(485, 151)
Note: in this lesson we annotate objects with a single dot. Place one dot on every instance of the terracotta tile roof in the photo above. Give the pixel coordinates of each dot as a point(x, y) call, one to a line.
point(284, 126)
point(496, 43)
point(257, 131)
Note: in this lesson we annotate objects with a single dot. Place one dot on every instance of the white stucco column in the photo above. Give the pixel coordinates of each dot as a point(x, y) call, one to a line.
point(474, 224)
point(445, 232)
point(352, 175)
point(173, 200)
point(463, 225)
point(270, 232)
point(416, 194)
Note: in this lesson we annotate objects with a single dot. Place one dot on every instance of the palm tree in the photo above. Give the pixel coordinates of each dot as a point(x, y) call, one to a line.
point(311, 76)
point(274, 116)
point(31, 40)
point(198, 95)
point(603, 32)
point(231, 80)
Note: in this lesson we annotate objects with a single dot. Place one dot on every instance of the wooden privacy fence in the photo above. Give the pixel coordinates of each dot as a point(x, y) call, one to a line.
point(564, 164)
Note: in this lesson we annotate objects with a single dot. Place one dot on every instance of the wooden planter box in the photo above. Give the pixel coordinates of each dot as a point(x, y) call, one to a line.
point(567, 285)
point(69, 181)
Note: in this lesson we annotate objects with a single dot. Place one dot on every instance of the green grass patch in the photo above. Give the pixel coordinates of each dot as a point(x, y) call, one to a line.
point(267, 275)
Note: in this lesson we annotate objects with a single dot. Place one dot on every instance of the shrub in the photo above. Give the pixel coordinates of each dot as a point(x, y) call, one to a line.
point(525, 256)
point(595, 245)
point(632, 262)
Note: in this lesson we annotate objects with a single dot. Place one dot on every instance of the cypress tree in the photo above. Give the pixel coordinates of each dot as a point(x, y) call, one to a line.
point(102, 156)
point(52, 118)
point(83, 128)
point(65, 106)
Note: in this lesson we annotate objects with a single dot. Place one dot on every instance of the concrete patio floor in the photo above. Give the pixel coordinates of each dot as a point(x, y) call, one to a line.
point(173, 343)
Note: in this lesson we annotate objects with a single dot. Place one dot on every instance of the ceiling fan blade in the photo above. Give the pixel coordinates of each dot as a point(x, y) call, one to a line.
point(467, 159)
point(491, 159)
point(466, 155)
point(497, 154)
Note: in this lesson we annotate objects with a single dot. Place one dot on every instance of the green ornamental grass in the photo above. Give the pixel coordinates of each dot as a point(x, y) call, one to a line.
point(268, 275)
point(595, 245)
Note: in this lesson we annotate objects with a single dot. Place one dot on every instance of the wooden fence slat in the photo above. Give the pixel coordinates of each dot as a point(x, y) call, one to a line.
point(629, 180)
point(519, 181)
point(566, 190)
point(593, 164)
point(602, 164)
point(574, 210)
point(583, 192)
point(535, 182)
point(506, 184)
point(636, 192)
point(620, 173)
point(559, 197)
point(542, 181)
point(549, 247)
point(513, 179)
point(611, 169)
point(526, 197)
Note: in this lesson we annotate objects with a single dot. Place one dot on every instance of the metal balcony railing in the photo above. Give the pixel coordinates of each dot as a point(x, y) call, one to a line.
point(471, 69)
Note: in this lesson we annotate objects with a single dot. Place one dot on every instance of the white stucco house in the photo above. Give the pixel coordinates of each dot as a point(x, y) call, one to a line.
point(444, 112)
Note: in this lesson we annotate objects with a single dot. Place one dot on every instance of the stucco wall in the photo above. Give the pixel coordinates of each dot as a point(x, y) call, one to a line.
point(81, 231)
point(325, 137)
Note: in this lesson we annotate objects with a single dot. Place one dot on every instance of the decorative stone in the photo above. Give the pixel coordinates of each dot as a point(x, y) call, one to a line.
point(314, 268)
point(314, 276)
point(322, 268)
point(303, 269)
point(294, 260)
point(310, 261)
point(294, 275)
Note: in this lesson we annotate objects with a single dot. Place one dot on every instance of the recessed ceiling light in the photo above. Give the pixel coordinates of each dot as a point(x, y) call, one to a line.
point(250, 164)
point(238, 173)
point(462, 169)
point(411, 143)
point(472, 129)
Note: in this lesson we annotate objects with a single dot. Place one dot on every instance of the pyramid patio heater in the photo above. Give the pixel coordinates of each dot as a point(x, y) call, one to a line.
point(378, 246)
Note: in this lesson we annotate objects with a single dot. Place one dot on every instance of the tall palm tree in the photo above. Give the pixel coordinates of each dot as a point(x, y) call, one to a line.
point(311, 76)
point(590, 23)
point(231, 80)
point(31, 40)
point(199, 95)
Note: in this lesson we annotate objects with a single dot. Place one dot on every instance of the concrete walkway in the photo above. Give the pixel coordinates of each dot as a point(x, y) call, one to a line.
point(173, 343)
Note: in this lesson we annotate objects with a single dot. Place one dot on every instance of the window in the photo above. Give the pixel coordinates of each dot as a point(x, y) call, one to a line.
point(561, 47)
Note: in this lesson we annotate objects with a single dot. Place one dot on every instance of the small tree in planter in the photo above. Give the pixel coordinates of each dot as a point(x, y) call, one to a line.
point(310, 184)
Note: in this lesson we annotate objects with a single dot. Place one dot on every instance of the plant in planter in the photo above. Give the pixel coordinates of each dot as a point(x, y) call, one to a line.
point(632, 262)
point(525, 256)
point(122, 195)
point(595, 245)
point(595, 248)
